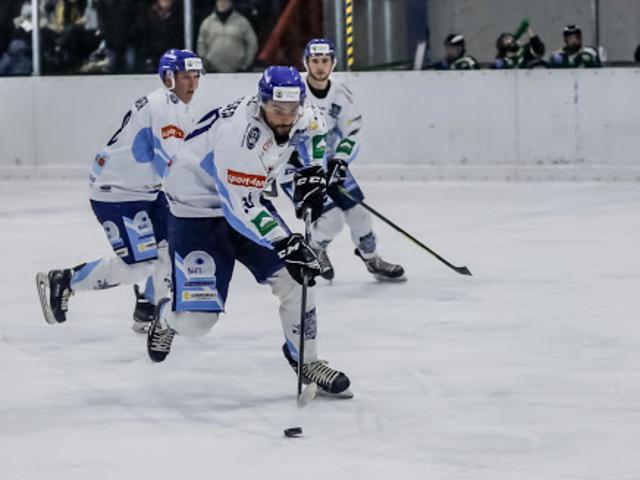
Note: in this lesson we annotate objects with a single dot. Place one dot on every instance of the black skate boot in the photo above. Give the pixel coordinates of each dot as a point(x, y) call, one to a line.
point(160, 336)
point(326, 269)
point(381, 270)
point(54, 290)
point(330, 382)
point(144, 312)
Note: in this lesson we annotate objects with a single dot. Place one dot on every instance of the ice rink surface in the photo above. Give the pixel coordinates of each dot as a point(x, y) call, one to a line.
point(528, 370)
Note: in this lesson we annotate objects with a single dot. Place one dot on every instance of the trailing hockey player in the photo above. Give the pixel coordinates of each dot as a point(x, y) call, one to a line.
point(218, 216)
point(126, 197)
point(574, 54)
point(344, 123)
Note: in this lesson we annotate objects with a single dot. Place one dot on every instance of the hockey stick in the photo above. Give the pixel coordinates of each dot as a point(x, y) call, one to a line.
point(461, 270)
point(309, 393)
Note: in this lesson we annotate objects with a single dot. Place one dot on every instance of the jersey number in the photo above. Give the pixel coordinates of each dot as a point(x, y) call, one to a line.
point(125, 120)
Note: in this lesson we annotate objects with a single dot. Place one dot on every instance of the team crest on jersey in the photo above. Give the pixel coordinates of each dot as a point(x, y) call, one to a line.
point(174, 99)
point(245, 179)
point(172, 131)
point(335, 110)
point(252, 137)
point(101, 160)
point(141, 102)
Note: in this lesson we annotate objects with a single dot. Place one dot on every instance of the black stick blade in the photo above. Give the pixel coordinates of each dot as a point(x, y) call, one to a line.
point(463, 271)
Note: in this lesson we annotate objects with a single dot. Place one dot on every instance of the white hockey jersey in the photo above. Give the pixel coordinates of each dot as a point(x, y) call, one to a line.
point(342, 118)
point(136, 158)
point(230, 158)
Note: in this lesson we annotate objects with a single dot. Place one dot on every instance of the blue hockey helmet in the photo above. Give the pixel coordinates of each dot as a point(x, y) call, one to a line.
point(176, 60)
point(319, 46)
point(282, 84)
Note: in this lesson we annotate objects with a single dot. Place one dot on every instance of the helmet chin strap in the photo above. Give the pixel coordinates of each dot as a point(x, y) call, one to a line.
point(172, 78)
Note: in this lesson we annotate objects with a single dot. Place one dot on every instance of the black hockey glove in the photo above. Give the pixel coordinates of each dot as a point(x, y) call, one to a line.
point(309, 191)
point(298, 258)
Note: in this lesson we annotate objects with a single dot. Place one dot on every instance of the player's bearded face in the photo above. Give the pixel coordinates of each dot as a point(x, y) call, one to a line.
point(320, 67)
point(186, 85)
point(280, 116)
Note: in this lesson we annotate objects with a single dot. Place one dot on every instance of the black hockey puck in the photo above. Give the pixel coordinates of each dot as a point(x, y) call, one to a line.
point(293, 431)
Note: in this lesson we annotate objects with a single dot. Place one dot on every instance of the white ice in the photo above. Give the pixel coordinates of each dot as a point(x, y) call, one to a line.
point(528, 370)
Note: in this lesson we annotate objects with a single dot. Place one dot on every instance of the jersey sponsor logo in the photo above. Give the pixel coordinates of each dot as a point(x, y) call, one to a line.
point(172, 131)
point(264, 223)
point(245, 179)
point(252, 137)
point(319, 145)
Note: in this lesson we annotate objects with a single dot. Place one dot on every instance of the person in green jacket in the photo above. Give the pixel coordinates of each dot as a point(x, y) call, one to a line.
point(574, 54)
point(511, 54)
point(456, 57)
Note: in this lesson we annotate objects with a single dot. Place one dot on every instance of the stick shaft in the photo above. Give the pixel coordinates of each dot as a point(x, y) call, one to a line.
point(460, 270)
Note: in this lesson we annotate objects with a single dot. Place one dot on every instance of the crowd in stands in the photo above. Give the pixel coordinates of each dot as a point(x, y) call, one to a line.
point(128, 36)
point(524, 49)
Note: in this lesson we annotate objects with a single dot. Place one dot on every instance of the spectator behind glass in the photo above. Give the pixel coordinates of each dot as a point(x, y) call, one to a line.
point(456, 57)
point(116, 19)
point(9, 9)
point(226, 42)
point(574, 54)
point(17, 59)
point(68, 37)
point(512, 55)
point(159, 28)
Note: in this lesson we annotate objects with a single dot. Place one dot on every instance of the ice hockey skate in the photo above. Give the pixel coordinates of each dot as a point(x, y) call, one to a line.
point(160, 336)
point(326, 268)
point(54, 290)
point(381, 270)
point(331, 383)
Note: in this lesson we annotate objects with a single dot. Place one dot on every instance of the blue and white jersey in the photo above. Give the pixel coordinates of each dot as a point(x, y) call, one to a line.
point(231, 157)
point(343, 120)
point(136, 158)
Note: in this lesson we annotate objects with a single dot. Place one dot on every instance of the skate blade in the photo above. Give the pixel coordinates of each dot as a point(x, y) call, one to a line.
point(390, 280)
point(42, 283)
point(307, 395)
point(346, 395)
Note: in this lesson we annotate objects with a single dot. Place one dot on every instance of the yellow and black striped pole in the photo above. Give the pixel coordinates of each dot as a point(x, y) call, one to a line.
point(349, 32)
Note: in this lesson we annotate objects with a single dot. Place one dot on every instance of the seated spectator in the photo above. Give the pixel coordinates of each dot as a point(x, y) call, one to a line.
point(17, 60)
point(159, 28)
point(574, 54)
point(226, 42)
point(512, 55)
point(67, 36)
point(456, 57)
point(9, 9)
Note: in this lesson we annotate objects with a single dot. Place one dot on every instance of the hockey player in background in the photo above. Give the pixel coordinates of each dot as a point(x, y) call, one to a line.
point(219, 216)
point(125, 192)
point(574, 54)
point(456, 57)
point(344, 123)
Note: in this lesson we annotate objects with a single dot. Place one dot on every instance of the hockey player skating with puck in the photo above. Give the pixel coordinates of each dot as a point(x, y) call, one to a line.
point(344, 123)
point(218, 216)
point(125, 192)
